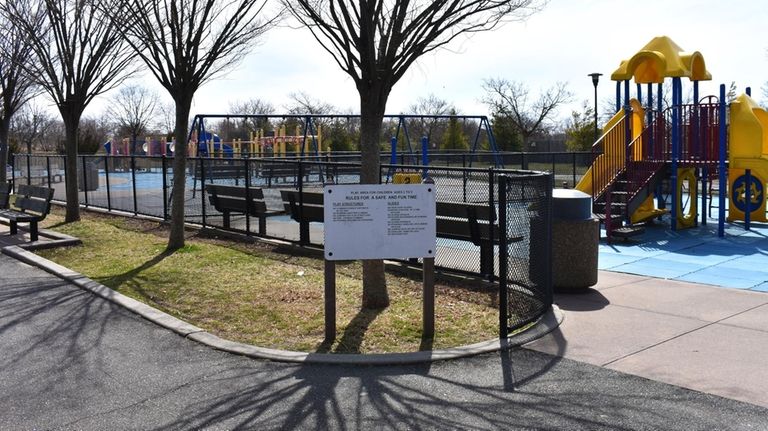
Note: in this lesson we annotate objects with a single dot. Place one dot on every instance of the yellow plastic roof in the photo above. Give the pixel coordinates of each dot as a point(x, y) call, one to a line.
point(662, 58)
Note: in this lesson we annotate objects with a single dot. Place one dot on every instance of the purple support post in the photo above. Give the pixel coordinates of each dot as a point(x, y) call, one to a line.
point(721, 165)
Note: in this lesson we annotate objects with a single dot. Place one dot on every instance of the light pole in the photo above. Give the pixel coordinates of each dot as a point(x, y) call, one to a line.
point(595, 79)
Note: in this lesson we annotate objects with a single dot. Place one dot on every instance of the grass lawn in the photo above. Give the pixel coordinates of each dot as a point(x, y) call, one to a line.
point(262, 294)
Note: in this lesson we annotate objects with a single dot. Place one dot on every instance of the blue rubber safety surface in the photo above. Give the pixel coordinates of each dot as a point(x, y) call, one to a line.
point(738, 261)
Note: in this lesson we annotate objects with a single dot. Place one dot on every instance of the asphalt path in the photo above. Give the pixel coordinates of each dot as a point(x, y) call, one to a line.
point(71, 360)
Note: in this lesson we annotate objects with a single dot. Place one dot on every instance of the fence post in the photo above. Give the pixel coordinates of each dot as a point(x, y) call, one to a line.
point(133, 185)
point(48, 169)
point(106, 179)
point(303, 226)
point(85, 181)
point(503, 260)
point(164, 162)
point(29, 170)
point(492, 221)
point(202, 187)
point(248, 199)
point(573, 169)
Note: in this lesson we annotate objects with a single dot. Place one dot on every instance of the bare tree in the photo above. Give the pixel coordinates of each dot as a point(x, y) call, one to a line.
point(132, 109)
point(77, 56)
point(31, 125)
point(529, 116)
point(428, 125)
point(257, 108)
point(16, 86)
point(184, 44)
point(375, 42)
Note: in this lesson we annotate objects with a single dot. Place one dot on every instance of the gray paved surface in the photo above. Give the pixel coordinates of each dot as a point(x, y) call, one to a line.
point(73, 361)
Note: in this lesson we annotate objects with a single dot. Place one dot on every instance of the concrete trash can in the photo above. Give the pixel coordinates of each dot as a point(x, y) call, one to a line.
point(575, 241)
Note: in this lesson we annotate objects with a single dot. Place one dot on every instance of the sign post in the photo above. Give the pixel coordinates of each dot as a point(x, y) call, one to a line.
point(369, 221)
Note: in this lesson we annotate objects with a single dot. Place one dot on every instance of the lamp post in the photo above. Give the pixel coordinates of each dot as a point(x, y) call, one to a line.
point(595, 79)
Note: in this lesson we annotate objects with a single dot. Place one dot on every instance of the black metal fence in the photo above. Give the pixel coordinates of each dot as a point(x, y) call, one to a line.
point(513, 250)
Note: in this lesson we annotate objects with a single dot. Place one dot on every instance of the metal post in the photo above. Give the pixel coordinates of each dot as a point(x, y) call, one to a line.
point(106, 179)
point(424, 156)
point(747, 198)
point(303, 226)
point(330, 300)
point(165, 186)
point(428, 302)
point(503, 260)
point(202, 189)
point(248, 201)
point(48, 169)
point(492, 221)
point(85, 181)
point(618, 96)
point(721, 165)
point(675, 151)
point(595, 79)
point(133, 184)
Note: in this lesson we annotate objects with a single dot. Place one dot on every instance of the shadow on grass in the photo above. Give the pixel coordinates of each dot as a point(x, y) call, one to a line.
point(118, 280)
point(354, 334)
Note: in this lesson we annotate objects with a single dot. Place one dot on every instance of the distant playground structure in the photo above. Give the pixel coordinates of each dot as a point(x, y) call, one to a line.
point(684, 150)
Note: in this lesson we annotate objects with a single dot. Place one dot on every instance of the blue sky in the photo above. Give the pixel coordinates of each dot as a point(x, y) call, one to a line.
point(564, 42)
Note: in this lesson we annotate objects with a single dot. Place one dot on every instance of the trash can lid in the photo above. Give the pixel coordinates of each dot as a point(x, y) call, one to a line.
point(570, 204)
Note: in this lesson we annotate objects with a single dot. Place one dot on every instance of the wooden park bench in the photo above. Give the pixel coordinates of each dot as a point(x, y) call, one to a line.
point(32, 205)
point(240, 200)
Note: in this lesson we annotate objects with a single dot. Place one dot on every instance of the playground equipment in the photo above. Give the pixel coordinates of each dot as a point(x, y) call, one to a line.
point(647, 150)
point(308, 138)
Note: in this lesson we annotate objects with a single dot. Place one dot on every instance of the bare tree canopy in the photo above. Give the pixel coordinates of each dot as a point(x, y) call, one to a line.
point(132, 110)
point(529, 114)
point(16, 86)
point(375, 42)
point(77, 55)
point(185, 43)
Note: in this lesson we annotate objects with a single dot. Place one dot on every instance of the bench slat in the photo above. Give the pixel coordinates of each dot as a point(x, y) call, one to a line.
point(311, 198)
point(463, 210)
point(234, 191)
point(35, 192)
point(225, 203)
point(34, 205)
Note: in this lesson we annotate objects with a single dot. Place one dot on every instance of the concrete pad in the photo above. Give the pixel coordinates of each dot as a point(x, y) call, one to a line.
point(719, 359)
point(612, 260)
point(712, 277)
point(659, 267)
point(682, 299)
point(612, 332)
point(756, 318)
point(608, 279)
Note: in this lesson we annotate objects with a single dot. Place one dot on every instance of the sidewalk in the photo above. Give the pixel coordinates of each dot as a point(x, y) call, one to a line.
point(706, 338)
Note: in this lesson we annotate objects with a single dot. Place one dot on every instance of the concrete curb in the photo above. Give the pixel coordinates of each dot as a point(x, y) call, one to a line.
point(546, 324)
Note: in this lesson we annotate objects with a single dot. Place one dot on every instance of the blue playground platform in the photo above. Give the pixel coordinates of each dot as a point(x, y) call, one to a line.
point(738, 261)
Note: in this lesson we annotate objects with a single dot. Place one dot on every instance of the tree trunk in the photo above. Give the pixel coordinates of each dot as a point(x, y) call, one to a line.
point(70, 165)
point(4, 147)
point(176, 237)
point(375, 294)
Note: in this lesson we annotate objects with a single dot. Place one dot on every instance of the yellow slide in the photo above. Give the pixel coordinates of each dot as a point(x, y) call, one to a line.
point(612, 159)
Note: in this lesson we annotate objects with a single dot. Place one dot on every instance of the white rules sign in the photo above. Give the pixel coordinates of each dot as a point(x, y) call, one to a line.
point(368, 221)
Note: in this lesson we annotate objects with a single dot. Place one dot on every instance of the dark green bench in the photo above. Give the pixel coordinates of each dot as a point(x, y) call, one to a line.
point(32, 205)
point(240, 200)
point(304, 208)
